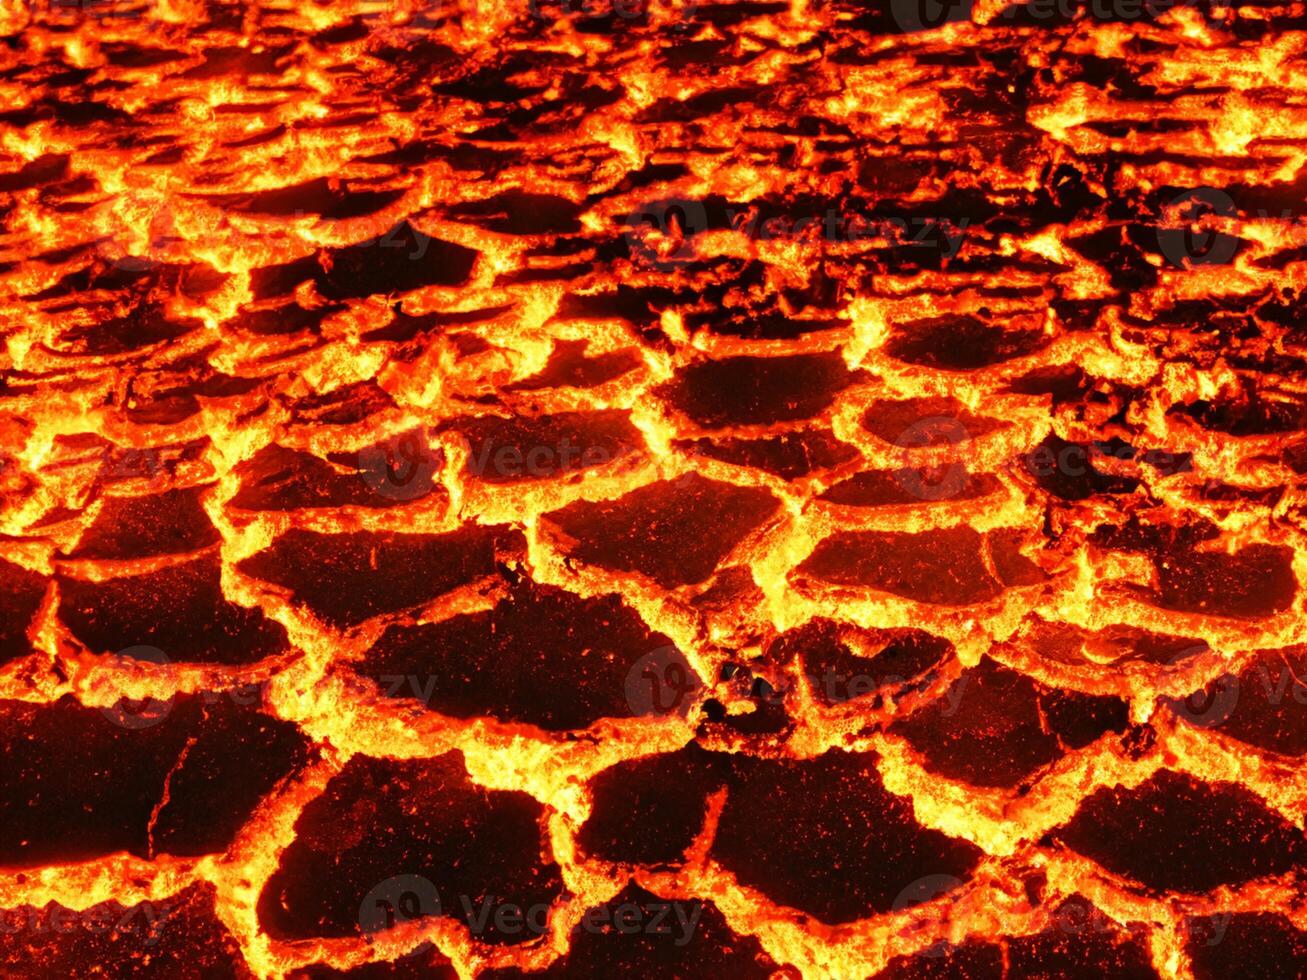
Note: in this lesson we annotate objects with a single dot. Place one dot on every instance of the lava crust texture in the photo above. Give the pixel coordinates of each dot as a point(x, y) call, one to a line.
point(677, 489)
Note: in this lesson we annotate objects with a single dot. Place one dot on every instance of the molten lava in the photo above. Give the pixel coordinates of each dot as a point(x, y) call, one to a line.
point(655, 488)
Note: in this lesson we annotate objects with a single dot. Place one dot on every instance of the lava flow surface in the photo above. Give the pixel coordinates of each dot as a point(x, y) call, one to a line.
point(653, 488)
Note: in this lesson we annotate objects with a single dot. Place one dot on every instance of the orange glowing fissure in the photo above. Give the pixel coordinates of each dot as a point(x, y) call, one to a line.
point(655, 488)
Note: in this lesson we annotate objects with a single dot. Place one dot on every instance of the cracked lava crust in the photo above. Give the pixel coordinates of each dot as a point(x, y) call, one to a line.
point(653, 488)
